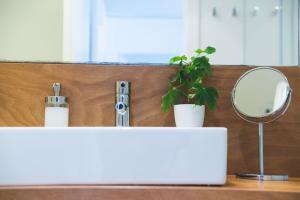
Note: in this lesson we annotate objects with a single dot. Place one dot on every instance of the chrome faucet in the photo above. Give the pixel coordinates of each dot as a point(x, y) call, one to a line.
point(122, 103)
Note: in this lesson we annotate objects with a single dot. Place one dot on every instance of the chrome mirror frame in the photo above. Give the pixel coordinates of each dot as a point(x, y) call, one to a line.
point(260, 120)
point(271, 116)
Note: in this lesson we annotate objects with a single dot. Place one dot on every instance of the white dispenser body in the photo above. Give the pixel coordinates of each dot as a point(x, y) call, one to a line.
point(56, 117)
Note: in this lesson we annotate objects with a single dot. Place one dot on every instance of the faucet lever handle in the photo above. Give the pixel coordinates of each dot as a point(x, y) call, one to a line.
point(123, 87)
point(56, 88)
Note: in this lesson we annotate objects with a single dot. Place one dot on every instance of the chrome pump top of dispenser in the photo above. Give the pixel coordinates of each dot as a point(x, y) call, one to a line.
point(56, 100)
point(56, 109)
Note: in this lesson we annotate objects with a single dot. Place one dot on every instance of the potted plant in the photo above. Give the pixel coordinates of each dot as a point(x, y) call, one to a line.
point(186, 91)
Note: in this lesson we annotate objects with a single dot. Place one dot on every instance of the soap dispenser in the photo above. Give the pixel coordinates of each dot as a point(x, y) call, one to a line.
point(56, 109)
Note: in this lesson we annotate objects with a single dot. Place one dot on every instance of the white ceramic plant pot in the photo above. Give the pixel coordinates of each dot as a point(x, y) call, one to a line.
point(189, 115)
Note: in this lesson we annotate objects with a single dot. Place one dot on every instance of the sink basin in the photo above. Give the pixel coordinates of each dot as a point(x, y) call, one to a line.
point(110, 155)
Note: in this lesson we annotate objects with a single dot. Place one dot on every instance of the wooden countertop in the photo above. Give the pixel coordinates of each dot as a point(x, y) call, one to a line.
point(240, 189)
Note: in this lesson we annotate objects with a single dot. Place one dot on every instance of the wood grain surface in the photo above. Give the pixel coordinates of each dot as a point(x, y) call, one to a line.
point(91, 90)
point(235, 189)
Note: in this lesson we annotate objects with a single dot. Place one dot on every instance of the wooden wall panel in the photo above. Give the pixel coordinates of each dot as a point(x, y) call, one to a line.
point(91, 89)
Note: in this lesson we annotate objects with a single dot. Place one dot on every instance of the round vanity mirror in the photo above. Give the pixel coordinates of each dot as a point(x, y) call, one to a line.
point(261, 95)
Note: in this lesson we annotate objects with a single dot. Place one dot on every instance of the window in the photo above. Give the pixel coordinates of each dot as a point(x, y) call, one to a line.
point(128, 31)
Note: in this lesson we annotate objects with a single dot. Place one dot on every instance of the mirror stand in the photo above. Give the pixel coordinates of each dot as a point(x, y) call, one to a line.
point(262, 176)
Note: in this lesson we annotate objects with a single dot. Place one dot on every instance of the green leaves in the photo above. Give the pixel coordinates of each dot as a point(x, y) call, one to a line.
point(171, 98)
point(203, 66)
point(207, 50)
point(178, 78)
point(207, 96)
point(177, 59)
point(199, 51)
point(210, 50)
point(188, 82)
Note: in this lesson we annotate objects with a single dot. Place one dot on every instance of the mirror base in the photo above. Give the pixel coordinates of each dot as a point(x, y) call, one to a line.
point(262, 177)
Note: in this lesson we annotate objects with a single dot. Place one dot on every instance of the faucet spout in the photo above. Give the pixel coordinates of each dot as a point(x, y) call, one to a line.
point(122, 108)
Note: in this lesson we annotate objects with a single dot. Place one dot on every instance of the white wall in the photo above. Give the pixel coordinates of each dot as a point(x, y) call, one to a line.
point(289, 32)
point(223, 31)
point(191, 29)
point(262, 33)
point(31, 30)
point(76, 30)
point(257, 38)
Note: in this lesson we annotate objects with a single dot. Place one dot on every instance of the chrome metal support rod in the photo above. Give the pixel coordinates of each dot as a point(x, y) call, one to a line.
point(261, 147)
point(261, 175)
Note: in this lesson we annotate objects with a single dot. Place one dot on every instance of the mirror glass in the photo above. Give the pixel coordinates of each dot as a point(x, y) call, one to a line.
point(248, 32)
point(260, 92)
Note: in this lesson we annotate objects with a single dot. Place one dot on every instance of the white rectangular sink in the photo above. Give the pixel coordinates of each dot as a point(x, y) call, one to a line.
point(110, 155)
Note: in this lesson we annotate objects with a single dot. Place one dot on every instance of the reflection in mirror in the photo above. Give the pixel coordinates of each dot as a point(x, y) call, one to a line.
point(261, 95)
point(250, 32)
